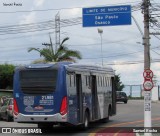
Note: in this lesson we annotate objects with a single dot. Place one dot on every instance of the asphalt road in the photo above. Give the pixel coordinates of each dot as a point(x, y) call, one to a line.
point(128, 115)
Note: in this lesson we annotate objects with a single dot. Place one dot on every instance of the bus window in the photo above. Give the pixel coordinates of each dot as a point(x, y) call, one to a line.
point(38, 81)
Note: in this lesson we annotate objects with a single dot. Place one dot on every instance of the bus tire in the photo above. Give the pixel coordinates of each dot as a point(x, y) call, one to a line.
point(85, 125)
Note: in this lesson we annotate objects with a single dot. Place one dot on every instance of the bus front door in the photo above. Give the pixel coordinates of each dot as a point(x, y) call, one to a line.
point(79, 98)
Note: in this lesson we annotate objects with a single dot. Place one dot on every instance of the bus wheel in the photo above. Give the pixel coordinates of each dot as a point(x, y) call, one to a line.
point(86, 121)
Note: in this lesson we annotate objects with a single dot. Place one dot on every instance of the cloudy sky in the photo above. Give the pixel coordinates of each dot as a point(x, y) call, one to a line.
point(27, 23)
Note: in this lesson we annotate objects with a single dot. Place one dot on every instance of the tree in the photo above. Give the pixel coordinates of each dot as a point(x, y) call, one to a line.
point(118, 84)
point(6, 76)
point(61, 54)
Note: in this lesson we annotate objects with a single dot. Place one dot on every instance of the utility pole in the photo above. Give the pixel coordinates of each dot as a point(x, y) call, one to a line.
point(146, 43)
point(100, 31)
point(146, 38)
point(50, 45)
point(131, 91)
point(47, 44)
point(57, 30)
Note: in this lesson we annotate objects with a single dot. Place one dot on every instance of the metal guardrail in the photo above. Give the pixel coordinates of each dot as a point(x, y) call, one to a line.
point(5, 90)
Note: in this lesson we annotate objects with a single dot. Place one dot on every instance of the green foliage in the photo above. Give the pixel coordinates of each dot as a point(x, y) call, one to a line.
point(135, 98)
point(6, 76)
point(118, 84)
point(55, 55)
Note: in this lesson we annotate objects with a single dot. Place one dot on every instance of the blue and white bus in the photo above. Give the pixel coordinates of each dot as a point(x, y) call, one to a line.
point(63, 93)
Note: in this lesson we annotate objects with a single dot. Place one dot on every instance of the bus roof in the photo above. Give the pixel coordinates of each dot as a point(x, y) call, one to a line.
point(43, 65)
point(70, 66)
point(91, 68)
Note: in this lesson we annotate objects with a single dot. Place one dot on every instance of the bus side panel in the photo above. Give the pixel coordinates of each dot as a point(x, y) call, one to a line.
point(72, 98)
point(107, 101)
point(16, 85)
point(104, 93)
point(87, 96)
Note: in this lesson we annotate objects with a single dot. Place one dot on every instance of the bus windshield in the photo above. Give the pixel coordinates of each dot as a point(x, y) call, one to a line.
point(38, 81)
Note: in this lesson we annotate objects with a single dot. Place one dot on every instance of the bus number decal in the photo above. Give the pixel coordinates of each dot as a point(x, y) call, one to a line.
point(47, 97)
point(46, 100)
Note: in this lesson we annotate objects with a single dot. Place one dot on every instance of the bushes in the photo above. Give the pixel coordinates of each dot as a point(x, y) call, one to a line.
point(135, 98)
point(6, 76)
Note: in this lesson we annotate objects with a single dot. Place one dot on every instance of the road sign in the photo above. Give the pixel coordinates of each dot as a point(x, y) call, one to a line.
point(148, 85)
point(148, 74)
point(107, 16)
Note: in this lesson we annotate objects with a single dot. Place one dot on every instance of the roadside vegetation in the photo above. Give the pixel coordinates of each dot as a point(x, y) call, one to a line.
point(6, 76)
point(135, 98)
point(53, 54)
point(118, 84)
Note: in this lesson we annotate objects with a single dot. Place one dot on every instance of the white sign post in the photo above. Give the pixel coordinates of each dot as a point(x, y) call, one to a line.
point(147, 111)
point(148, 85)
